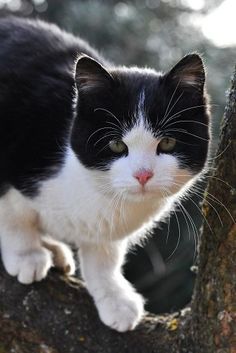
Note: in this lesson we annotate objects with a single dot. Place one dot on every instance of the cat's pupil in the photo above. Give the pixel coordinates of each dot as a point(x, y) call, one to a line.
point(167, 144)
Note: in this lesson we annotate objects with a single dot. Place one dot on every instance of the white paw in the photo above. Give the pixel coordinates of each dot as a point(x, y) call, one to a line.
point(121, 313)
point(29, 267)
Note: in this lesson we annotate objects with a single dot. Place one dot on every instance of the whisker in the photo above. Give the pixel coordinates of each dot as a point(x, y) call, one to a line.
point(123, 213)
point(115, 125)
point(184, 214)
point(173, 107)
point(102, 128)
point(214, 198)
point(220, 154)
point(164, 194)
point(102, 149)
point(110, 113)
point(208, 176)
point(195, 231)
point(198, 192)
point(187, 133)
point(178, 240)
point(186, 121)
point(186, 143)
point(115, 206)
point(221, 180)
point(105, 136)
point(170, 101)
point(184, 110)
point(179, 235)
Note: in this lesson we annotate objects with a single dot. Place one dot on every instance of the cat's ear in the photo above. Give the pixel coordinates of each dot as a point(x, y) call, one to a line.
point(189, 72)
point(91, 75)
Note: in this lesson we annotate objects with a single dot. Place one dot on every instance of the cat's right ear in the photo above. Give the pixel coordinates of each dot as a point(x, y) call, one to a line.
point(91, 75)
point(189, 72)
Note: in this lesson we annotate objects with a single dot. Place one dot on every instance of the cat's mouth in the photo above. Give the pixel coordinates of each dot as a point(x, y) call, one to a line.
point(153, 192)
point(143, 193)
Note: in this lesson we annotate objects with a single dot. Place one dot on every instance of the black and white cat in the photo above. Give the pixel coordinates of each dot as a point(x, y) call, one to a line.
point(90, 154)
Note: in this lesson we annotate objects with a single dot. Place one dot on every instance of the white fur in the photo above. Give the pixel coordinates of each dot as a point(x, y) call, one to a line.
point(99, 212)
point(22, 253)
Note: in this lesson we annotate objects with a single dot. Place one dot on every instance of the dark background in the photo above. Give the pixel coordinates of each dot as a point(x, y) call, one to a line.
point(154, 33)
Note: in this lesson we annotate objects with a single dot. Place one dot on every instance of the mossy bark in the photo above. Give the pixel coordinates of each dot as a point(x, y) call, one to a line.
point(214, 303)
point(58, 316)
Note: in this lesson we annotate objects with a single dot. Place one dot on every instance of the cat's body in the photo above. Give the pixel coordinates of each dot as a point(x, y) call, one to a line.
point(84, 157)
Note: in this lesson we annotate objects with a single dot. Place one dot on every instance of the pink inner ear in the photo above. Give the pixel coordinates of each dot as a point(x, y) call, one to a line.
point(91, 74)
point(189, 71)
point(189, 79)
point(190, 76)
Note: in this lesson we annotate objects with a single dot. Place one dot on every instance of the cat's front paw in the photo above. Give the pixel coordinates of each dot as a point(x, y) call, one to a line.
point(29, 267)
point(121, 313)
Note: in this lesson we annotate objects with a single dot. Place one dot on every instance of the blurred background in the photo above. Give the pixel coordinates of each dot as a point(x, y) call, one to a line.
point(156, 33)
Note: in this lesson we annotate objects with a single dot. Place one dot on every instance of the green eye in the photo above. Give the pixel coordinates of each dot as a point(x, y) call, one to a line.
point(117, 146)
point(167, 144)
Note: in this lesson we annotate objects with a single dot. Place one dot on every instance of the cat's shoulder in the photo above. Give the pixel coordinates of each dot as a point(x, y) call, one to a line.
point(36, 38)
point(18, 26)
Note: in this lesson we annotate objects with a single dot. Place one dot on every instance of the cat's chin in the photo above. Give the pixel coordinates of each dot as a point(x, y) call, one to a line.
point(143, 195)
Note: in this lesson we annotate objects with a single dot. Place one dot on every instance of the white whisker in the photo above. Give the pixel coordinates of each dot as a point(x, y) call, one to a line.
point(186, 121)
point(214, 198)
point(194, 228)
point(187, 133)
point(105, 136)
point(170, 101)
point(102, 128)
point(220, 154)
point(175, 115)
point(110, 113)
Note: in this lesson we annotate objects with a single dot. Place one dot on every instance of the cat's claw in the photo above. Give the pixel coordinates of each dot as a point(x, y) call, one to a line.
point(29, 267)
point(121, 314)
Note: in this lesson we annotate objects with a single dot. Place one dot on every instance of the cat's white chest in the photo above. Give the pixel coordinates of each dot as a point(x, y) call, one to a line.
point(96, 222)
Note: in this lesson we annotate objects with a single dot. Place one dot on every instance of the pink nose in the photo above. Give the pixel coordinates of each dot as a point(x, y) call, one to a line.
point(143, 176)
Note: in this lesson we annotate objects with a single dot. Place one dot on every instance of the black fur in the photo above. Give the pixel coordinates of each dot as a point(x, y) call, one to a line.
point(38, 81)
point(36, 93)
point(120, 93)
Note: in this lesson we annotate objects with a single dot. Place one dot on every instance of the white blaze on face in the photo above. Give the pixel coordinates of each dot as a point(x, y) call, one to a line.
point(167, 176)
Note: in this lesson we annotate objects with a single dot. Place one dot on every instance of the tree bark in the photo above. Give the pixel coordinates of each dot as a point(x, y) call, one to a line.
point(214, 303)
point(58, 316)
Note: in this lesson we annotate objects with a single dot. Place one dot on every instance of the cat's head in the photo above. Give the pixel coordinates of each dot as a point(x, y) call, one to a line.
point(139, 132)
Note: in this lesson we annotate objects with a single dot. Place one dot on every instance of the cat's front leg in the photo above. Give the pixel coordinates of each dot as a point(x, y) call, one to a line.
point(119, 306)
point(22, 253)
point(23, 256)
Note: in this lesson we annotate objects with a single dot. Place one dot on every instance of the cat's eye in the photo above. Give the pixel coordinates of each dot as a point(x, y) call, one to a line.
point(117, 146)
point(167, 144)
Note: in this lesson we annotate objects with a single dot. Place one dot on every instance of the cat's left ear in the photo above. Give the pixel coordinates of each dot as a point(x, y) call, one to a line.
point(189, 72)
point(91, 75)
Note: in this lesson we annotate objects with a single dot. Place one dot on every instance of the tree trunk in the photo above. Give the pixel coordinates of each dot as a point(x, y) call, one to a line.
point(214, 303)
point(58, 316)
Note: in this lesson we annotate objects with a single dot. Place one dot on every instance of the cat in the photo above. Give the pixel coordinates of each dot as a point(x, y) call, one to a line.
point(91, 154)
